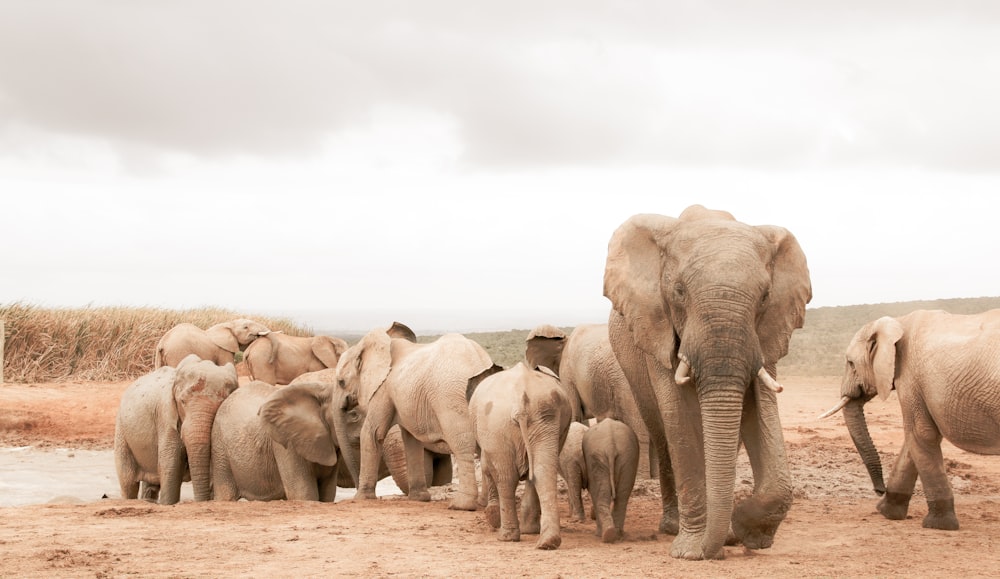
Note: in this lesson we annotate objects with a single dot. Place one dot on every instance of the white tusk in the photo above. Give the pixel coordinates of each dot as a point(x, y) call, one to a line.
point(683, 374)
point(766, 379)
point(840, 406)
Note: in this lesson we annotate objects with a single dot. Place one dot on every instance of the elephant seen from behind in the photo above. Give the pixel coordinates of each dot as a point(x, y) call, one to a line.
point(164, 426)
point(390, 379)
point(218, 343)
point(520, 418)
point(945, 369)
point(611, 451)
point(703, 309)
point(278, 358)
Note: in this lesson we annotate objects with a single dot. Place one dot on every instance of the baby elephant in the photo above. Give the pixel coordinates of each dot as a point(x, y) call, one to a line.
point(573, 470)
point(611, 450)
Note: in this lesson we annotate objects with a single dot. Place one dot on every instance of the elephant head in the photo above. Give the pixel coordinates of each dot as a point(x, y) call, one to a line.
point(235, 335)
point(198, 390)
point(711, 304)
point(544, 347)
point(868, 372)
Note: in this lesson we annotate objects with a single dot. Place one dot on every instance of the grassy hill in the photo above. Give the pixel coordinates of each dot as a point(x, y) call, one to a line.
point(50, 345)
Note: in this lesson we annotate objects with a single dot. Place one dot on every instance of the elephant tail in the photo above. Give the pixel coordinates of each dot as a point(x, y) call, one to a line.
point(611, 471)
point(522, 423)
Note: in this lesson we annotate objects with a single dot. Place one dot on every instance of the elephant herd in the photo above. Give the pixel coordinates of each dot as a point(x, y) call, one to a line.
point(679, 379)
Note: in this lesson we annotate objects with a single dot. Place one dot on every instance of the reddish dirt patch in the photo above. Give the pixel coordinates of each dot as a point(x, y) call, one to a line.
point(832, 529)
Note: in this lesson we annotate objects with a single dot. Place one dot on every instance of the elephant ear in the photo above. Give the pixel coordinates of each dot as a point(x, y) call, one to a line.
point(401, 330)
point(544, 347)
point(328, 349)
point(886, 332)
point(222, 335)
point(791, 290)
point(632, 277)
point(293, 417)
point(365, 365)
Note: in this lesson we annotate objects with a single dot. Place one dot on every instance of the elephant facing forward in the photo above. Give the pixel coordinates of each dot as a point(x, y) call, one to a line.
point(218, 343)
point(279, 358)
point(420, 387)
point(520, 418)
point(703, 309)
point(164, 426)
point(946, 372)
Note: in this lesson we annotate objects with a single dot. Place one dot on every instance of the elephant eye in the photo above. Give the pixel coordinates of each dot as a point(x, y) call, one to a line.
point(765, 297)
point(679, 290)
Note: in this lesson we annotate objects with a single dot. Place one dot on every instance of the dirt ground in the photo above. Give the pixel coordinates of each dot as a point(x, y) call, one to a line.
point(832, 529)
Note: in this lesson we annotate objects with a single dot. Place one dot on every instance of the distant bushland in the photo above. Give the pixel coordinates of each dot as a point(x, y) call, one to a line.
point(116, 343)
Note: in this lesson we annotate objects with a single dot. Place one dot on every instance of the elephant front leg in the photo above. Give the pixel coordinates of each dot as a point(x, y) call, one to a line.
point(755, 520)
point(371, 453)
point(899, 488)
point(415, 473)
point(464, 449)
point(172, 462)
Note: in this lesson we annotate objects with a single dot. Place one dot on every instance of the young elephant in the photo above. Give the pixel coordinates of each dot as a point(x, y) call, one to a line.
point(611, 450)
point(279, 358)
point(218, 343)
point(573, 469)
point(520, 417)
point(164, 426)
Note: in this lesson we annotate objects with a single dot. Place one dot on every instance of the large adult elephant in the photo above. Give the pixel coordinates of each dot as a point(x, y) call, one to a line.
point(703, 309)
point(218, 343)
point(520, 418)
point(163, 429)
point(278, 358)
point(420, 387)
point(594, 380)
point(946, 372)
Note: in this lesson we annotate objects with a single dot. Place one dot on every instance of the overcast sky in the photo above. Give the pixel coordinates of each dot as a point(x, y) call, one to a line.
point(462, 165)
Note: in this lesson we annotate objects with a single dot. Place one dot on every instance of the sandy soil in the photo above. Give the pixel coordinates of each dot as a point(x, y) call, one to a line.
point(832, 529)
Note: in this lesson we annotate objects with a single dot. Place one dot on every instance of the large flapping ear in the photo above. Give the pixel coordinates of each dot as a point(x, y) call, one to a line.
point(632, 277)
point(544, 347)
point(223, 336)
point(401, 330)
point(476, 380)
point(293, 417)
point(328, 349)
point(791, 290)
point(886, 332)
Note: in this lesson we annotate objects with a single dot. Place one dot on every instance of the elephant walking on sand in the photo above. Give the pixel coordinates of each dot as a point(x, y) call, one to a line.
point(218, 343)
point(703, 309)
point(520, 418)
point(164, 426)
point(421, 387)
point(278, 358)
point(945, 369)
point(611, 450)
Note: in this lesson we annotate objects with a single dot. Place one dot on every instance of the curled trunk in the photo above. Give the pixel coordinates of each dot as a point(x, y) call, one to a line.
point(854, 416)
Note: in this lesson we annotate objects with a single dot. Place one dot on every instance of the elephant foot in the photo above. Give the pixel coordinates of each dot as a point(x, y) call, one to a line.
point(894, 506)
point(464, 503)
point(941, 515)
point(670, 522)
point(611, 535)
point(509, 535)
point(424, 496)
point(756, 520)
point(688, 546)
point(578, 517)
point(530, 527)
point(493, 516)
point(549, 542)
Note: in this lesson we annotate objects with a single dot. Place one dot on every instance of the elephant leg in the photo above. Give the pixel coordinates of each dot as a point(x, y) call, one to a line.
point(600, 493)
point(493, 515)
point(899, 488)
point(633, 364)
point(328, 486)
point(443, 470)
point(415, 467)
point(149, 492)
point(925, 451)
point(756, 519)
point(463, 445)
point(506, 487)
point(297, 475)
point(625, 481)
point(574, 488)
point(223, 483)
point(373, 433)
point(531, 511)
point(545, 461)
point(171, 462)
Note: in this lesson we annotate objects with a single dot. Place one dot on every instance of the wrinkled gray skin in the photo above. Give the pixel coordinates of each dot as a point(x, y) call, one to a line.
point(946, 371)
point(420, 387)
point(164, 426)
point(218, 343)
point(701, 304)
point(611, 451)
point(520, 418)
point(278, 358)
point(573, 470)
point(594, 380)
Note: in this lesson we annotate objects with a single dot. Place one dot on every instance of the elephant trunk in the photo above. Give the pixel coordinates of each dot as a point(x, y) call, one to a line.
point(721, 411)
point(196, 432)
point(854, 417)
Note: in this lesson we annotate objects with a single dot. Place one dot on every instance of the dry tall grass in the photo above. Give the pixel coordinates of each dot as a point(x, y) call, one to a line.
point(98, 343)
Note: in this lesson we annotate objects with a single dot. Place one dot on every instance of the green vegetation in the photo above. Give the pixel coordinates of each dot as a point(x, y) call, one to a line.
point(51, 345)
